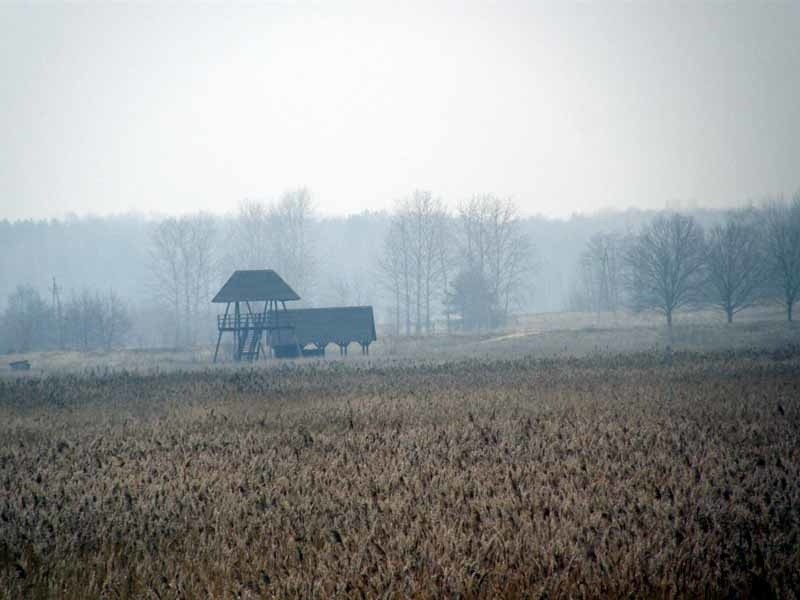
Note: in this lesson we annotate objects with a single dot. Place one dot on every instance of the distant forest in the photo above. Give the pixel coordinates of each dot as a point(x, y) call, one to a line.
point(114, 266)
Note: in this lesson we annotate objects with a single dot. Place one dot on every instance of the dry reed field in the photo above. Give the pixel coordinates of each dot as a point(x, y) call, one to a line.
point(602, 476)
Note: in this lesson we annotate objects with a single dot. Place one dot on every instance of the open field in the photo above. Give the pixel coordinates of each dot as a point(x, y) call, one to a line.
point(608, 475)
point(546, 335)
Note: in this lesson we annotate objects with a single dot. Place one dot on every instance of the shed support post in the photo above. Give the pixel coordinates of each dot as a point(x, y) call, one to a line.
point(216, 350)
point(265, 326)
point(220, 326)
point(237, 355)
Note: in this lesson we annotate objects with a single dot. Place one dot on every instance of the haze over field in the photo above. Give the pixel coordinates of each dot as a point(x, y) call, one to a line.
point(395, 300)
point(180, 108)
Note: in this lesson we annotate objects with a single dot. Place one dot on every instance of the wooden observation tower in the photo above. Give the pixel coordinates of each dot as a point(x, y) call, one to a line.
point(252, 323)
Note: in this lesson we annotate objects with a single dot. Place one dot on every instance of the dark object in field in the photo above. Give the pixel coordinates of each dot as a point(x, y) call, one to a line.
point(311, 352)
point(20, 365)
point(273, 329)
point(285, 351)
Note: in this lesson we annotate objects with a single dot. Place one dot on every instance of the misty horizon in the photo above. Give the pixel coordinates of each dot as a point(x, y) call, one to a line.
point(319, 214)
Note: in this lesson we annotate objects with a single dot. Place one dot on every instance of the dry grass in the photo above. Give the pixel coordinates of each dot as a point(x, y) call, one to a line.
point(602, 476)
point(542, 335)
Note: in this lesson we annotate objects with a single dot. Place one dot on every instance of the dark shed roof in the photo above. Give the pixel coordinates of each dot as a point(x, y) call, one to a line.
point(255, 286)
point(329, 325)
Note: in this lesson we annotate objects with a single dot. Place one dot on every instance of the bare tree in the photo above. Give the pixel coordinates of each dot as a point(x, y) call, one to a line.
point(394, 270)
point(114, 320)
point(276, 236)
point(782, 239)
point(250, 240)
point(447, 258)
point(349, 289)
point(665, 265)
point(430, 220)
point(82, 320)
point(26, 320)
point(182, 265)
point(289, 230)
point(494, 245)
point(601, 271)
point(411, 264)
point(96, 321)
point(735, 263)
point(201, 265)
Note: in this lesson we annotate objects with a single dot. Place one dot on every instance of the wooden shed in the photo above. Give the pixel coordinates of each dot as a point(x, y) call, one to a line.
point(341, 325)
point(257, 317)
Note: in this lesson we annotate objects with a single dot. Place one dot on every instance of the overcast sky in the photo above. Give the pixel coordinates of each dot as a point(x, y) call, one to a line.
point(183, 107)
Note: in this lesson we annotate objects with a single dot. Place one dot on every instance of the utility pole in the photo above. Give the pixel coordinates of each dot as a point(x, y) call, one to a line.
point(55, 289)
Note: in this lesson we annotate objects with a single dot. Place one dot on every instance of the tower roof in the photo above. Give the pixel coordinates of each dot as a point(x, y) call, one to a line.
point(255, 285)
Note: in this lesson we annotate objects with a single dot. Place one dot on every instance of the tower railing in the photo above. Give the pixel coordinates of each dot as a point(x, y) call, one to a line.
point(241, 322)
point(252, 321)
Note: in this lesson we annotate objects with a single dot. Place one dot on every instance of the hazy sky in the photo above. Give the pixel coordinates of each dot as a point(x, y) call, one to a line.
point(181, 107)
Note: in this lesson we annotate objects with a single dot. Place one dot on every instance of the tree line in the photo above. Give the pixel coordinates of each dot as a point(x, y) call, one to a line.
point(90, 320)
point(752, 257)
point(472, 266)
point(428, 267)
point(190, 256)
